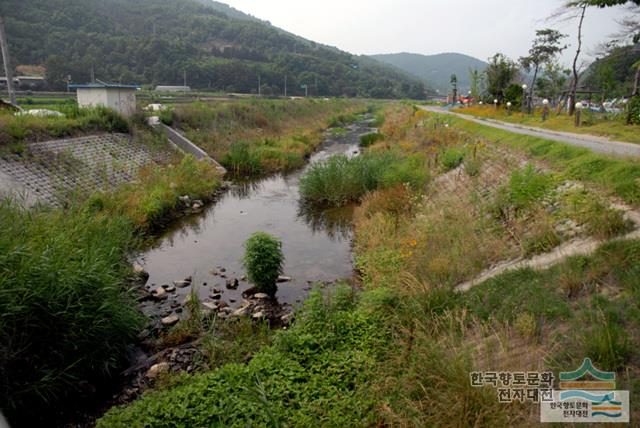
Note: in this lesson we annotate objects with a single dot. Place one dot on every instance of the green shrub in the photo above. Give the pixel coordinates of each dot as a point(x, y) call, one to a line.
point(166, 117)
point(341, 179)
point(367, 140)
point(242, 159)
point(66, 313)
point(527, 186)
point(452, 158)
point(633, 111)
point(263, 260)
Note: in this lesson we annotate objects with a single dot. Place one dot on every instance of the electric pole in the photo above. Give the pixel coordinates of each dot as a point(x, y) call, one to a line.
point(7, 62)
point(259, 85)
point(185, 81)
point(285, 86)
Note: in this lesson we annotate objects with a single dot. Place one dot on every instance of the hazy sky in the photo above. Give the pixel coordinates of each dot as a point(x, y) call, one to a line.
point(474, 27)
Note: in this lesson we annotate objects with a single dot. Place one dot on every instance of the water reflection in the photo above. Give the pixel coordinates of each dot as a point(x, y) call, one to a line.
point(316, 243)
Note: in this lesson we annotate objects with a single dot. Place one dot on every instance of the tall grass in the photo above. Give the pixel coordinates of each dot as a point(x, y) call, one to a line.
point(340, 179)
point(24, 128)
point(66, 313)
point(157, 191)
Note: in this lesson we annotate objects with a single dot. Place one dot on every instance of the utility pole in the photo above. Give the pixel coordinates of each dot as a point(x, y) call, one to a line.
point(285, 86)
point(93, 75)
point(259, 85)
point(7, 62)
point(185, 81)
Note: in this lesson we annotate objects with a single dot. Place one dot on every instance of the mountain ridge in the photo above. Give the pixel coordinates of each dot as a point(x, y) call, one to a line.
point(145, 42)
point(435, 69)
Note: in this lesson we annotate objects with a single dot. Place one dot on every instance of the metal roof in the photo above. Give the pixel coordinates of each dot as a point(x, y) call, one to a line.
point(103, 86)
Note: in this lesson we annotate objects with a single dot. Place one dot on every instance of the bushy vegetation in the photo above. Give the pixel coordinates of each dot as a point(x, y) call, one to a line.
point(77, 121)
point(157, 192)
point(369, 139)
point(452, 158)
point(314, 374)
point(341, 179)
point(252, 137)
point(67, 314)
point(264, 260)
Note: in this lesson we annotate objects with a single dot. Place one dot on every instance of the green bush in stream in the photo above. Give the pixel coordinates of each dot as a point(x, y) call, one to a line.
point(66, 313)
point(263, 260)
point(340, 179)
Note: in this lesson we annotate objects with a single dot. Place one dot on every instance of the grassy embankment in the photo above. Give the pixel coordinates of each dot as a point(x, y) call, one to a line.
point(401, 351)
point(251, 137)
point(612, 126)
point(68, 310)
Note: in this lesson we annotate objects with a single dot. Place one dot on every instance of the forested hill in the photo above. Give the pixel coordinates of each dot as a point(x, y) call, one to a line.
point(436, 70)
point(154, 41)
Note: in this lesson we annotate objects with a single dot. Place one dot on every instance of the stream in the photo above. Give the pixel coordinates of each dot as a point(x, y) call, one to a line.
point(209, 246)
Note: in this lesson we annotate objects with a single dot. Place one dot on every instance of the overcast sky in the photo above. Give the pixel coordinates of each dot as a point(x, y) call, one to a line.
point(474, 27)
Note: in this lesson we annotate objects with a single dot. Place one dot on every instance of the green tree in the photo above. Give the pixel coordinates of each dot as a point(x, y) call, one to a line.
point(546, 46)
point(553, 79)
point(454, 87)
point(499, 75)
point(605, 79)
point(475, 77)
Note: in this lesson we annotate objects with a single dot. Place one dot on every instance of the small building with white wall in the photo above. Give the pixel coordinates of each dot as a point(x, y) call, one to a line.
point(121, 98)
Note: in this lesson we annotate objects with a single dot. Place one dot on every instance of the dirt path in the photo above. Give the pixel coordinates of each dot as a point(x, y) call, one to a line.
point(576, 247)
point(592, 142)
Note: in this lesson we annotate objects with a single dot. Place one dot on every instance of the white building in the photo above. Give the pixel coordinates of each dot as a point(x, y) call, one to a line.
point(121, 98)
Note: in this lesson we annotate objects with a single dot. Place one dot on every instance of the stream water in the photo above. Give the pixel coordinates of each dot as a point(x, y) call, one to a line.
point(209, 246)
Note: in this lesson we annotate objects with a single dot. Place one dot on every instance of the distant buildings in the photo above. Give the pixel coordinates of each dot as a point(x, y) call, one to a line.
point(173, 89)
point(25, 83)
point(121, 98)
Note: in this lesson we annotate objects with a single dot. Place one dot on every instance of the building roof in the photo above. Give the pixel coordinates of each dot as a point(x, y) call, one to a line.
point(102, 86)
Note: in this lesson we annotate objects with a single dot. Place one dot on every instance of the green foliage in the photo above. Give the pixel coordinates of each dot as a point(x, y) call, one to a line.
point(67, 312)
point(342, 120)
point(513, 94)
point(367, 140)
point(633, 110)
point(218, 52)
point(166, 117)
point(606, 342)
point(263, 259)
point(452, 158)
point(341, 179)
point(328, 353)
point(500, 74)
point(156, 194)
point(527, 186)
point(16, 129)
point(242, 159)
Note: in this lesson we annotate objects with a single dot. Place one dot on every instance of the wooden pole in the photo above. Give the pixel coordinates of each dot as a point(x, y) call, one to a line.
point(7, 62)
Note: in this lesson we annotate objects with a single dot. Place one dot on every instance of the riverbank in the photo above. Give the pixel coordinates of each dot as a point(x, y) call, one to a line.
point(382, 355)
point(70, 300)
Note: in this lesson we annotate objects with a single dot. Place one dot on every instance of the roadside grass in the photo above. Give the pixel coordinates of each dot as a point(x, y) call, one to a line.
point(67, 311)
point(620, 177)
point(608, 125)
